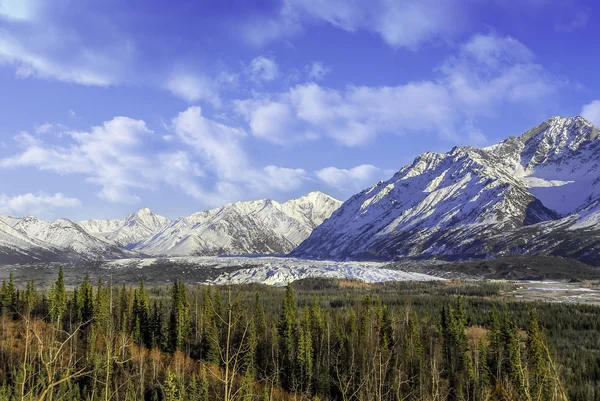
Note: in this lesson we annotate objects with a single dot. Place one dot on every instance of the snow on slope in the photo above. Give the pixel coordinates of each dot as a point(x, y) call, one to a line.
point(253, 227)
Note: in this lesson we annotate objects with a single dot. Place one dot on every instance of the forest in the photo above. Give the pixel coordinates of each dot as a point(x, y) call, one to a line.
point(316, 339)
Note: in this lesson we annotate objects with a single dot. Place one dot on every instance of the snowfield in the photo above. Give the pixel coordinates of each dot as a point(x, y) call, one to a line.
point(277, 271)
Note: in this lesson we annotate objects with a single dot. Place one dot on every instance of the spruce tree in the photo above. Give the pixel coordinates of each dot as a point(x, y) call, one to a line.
point(288, 332)
point(536, 358)
point(86, 301)
point(29, 298)
point(58, 298)
point(179, 322)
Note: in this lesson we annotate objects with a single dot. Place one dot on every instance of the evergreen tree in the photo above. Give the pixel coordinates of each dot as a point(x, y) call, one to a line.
point(86, 301)
point(142, 328)
point(101, 306)
point(536, 360)
point(288, 336)
point(29, 298)
point(58, 298)
point(179, 322)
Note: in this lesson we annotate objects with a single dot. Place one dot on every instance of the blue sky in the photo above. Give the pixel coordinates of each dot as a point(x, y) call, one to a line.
point(109, 106)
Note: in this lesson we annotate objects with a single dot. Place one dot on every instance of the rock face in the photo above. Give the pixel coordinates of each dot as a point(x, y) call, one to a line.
point(534, 194)
point(254, 227)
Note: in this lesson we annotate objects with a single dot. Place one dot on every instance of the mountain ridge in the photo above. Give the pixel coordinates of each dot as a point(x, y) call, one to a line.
point(263, 226)
point(513, 197)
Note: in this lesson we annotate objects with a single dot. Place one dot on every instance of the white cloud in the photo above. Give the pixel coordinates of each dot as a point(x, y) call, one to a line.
point(218, 144)
point(271, 121)
point(351, 116)
point(400, 24)
point(20, 10)
point(354, 179)
point(193, 88)
point(220, 148)
point(110, 156)
point(72, 115)
point(35, 204)
point(591, 111)
point(317, 71)
point(48, 128)
point(34, 58)
point(263, 69)
point(280, 178)
point(489, 72)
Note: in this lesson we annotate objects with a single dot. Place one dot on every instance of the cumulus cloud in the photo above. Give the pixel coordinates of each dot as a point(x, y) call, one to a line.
point(354, 179)
point(110, 155)
point(35, 204)
point(205, 159)
point(591, 111)
point(489, 72)
point(218, 144)
point(263, 69)
point(221, 150)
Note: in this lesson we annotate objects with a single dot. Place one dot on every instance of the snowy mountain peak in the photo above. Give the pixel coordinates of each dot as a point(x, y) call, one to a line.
point(146, 217)
point(562, 131)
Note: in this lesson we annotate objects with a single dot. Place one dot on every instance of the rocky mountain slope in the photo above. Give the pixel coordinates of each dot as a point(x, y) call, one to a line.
point(533, 194)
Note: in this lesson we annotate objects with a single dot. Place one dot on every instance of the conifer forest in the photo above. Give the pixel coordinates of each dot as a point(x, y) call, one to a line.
point(317, 339)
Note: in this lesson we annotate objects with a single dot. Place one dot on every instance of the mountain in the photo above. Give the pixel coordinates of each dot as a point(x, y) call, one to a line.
point(253, 227)
point(128, 232)
point(533, 194)
point(61, 239)
point(17, 247)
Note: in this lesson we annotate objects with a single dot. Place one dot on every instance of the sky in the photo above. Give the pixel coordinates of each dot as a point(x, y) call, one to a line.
point(110, 106)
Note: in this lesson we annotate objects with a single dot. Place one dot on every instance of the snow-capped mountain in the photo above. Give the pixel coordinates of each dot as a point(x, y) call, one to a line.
point(253, 227)
point(60, 237)
point(130, 231)
point(17, 247)
point(533, 194)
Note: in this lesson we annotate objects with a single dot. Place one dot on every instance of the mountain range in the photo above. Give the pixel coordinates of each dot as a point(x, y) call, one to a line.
point(538, 193)
point(253, 227)
point(533, 194)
